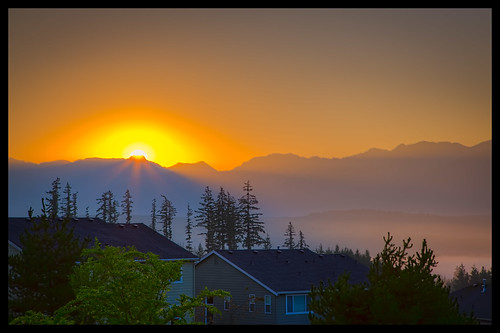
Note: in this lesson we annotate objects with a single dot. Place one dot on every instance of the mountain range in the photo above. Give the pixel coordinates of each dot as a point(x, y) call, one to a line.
point(425, 177)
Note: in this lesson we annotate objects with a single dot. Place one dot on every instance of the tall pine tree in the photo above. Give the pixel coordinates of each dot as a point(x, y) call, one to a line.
point(153, 215)
point(52, 210)
point(166, 214)
point(251, 225)
point(107, 207)
point(67, 203)
point(74, 208)
point(127, 206)
point(205, 216)
point(289, 234)
point(232, 222)
point(189, 226)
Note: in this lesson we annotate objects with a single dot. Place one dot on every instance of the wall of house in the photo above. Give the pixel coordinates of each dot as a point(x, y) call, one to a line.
point(184, 286)
point(215, 273)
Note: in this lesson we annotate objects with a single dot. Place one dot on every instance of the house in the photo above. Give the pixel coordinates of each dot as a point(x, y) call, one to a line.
point(476, 299)
point(268, 286)
point(139, 235)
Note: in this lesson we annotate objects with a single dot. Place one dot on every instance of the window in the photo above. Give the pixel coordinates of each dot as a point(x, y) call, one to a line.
point(209, 316)
point(296, 304)
point(267, 304)
point(251, 303)
point(227, 302)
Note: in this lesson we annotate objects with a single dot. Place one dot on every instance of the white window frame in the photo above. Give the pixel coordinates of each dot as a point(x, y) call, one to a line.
point(207, 313)
point(227, 303)
point(291, 311)
point(267, 303)
point(251, 301)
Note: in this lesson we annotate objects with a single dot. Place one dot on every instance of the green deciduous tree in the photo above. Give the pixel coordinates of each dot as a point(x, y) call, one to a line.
point(116, 285)
point(401, 290)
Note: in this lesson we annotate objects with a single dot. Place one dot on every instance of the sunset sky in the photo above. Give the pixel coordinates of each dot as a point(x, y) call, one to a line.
point(225, 85)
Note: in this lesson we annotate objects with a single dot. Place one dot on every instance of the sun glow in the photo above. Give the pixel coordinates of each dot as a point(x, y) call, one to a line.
point(163, 138)
point(139, 153)
point(139, 150)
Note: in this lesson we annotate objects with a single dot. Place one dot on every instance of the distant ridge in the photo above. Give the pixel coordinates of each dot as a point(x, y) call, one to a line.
point(425, 177)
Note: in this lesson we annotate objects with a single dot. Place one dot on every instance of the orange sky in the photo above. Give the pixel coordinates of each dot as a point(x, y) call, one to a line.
point(226, 85)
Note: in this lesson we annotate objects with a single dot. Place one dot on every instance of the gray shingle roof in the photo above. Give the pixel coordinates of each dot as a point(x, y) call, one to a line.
point(293, 270)
point(139, 235)
point(473, 299)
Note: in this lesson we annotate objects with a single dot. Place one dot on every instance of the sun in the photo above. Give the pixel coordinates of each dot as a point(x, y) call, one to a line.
point(139, 150)
point(139, 154)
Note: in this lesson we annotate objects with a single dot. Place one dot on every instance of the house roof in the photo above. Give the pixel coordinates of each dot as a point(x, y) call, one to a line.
point(476, 300)
point(139, 235)
point(288, 271)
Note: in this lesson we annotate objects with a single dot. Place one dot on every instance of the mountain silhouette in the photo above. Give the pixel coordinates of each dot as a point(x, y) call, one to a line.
point(425, 177)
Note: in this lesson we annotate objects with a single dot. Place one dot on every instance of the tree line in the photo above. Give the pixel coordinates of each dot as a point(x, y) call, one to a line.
point(462, 278)
point(224, 221)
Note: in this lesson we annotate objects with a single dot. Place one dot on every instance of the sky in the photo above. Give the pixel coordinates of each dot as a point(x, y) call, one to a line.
point(225, 85)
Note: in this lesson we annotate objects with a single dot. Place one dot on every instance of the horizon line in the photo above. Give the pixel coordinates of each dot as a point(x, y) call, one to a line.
point(257, 156)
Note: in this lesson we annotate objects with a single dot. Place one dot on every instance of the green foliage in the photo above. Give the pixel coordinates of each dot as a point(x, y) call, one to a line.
point(401, 290)
point(39, 276)
point(38, 318)
point(116, 285)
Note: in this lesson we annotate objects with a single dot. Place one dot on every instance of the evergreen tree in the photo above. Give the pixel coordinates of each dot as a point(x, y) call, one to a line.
point(153, 215)
point(67, 203)
point(267, 243)
point(167, 213)
point(206, 218)
point(302, 242)
point(200, 251)
point(127, 206)
point(38, 277)
point(114, 214)
point(289, 234)
point(227, 221)
point(460, 278)
point(52, 210)
point(251, 226)
point(401, 290)
point(220, 220)
point(232, 223)
point(107, 208)
point(74, 208)
point(189, 226)
point(104, 207)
